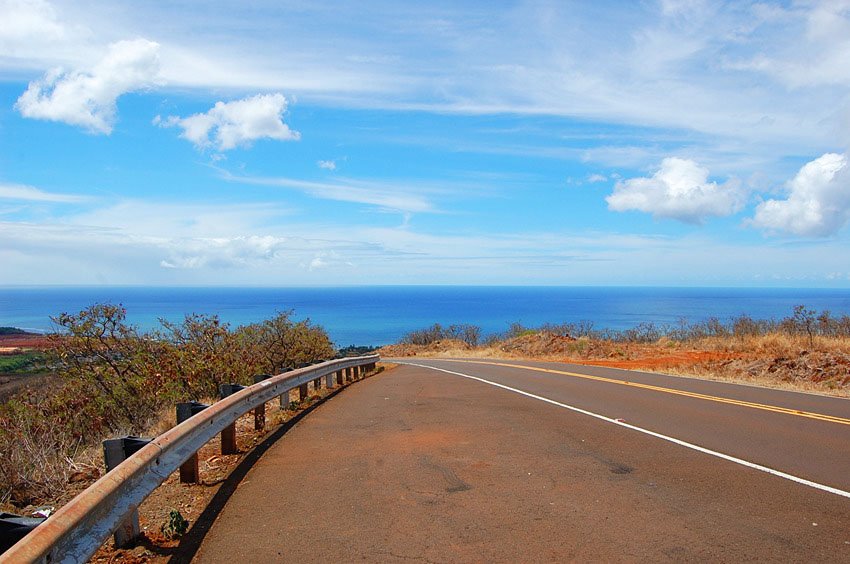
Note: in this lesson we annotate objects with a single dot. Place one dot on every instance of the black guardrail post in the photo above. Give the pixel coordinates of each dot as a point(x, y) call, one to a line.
point(115, 451)
point(189, 473)
point(15, 527)
point(228, 434)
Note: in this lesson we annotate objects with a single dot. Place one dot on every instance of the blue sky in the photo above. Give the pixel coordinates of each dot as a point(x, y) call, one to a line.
point(292, 143)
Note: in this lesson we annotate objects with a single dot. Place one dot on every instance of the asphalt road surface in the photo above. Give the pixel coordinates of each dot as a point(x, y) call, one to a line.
point(488, 461)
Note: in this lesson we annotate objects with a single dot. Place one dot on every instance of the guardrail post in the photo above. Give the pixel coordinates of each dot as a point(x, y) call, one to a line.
point(260, 410)
point(338, 375)
point(228, 434)
point(329, 381)
point(115, 451)
point(189, 473)
point(76, 530)
point(303, 392)
point(284, 397)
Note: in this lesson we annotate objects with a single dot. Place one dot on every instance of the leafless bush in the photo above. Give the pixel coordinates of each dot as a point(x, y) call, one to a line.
point(469, 334)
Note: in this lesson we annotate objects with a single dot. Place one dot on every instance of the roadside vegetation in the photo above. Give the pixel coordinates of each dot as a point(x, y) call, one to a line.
point(21, 362)
point(806, 350)
point(115, 380)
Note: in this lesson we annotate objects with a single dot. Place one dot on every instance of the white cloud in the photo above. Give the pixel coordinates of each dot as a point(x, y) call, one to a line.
point(32, 194)
point(237, 123)
point(385, 195)
point(328, 259)
point(327, 165)
point(709, 71)
point(678, 190)
point(819, 54)
point(223, 252)
point(594, 178)
point(818, 202)
point(26, 20)
point(88, 98)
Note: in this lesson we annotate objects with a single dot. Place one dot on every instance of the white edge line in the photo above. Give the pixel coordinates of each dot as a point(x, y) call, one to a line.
point(679, 442)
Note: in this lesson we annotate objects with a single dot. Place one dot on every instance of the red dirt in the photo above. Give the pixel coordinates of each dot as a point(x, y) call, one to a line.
point(683, 358)
point(27, 341)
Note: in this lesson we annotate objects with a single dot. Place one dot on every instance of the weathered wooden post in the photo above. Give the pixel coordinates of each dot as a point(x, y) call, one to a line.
point(115, 451)
point(189, 473)
point(260, 410)
point(339, 380)
point(284, 397)
point(228, 434)
point(284, 400)
point(329, 381)
point(303, 392)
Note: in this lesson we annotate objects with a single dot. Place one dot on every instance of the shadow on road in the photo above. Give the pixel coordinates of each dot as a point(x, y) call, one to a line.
point(191, 542)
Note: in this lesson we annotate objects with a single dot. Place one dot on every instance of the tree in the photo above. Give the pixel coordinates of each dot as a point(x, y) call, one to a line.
point(110, 363)
point(282, 344)
point(805, 319)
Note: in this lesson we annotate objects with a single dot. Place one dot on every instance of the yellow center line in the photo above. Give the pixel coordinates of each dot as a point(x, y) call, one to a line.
point(753, 405)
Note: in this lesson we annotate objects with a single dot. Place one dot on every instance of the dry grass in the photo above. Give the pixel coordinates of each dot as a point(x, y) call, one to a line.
point(776, 360)
point(62, 477)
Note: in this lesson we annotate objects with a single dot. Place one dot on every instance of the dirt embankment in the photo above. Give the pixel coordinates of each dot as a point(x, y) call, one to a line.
point(822, 366)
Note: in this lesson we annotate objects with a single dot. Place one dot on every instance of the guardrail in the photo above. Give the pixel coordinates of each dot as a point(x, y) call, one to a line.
point(80, 527)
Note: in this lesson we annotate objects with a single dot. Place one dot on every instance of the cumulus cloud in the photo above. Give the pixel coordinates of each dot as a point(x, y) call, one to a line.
point(228, 125)
point(32, 194)
point(327, 165)
point(818, 202)
point(88, 98)
point(678, 190)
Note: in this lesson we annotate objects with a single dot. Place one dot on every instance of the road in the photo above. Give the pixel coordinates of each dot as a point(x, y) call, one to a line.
point(536, 462)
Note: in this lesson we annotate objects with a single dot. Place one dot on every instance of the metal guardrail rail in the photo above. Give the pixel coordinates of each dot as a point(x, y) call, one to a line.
point(80, 527)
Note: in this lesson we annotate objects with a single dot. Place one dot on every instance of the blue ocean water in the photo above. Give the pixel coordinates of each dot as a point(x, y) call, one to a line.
point(375, 315)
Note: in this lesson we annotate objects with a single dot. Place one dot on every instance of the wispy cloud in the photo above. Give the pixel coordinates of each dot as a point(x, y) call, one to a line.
point(26, 193)
point(384, 195)
point(722, 70)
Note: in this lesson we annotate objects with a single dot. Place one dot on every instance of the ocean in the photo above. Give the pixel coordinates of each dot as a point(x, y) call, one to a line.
point(376, 315)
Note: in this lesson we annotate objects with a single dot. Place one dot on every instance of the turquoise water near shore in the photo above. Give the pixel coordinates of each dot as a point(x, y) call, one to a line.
point(374, 315)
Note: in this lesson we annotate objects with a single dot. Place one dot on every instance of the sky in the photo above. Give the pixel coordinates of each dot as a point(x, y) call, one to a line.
point(276, 143)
